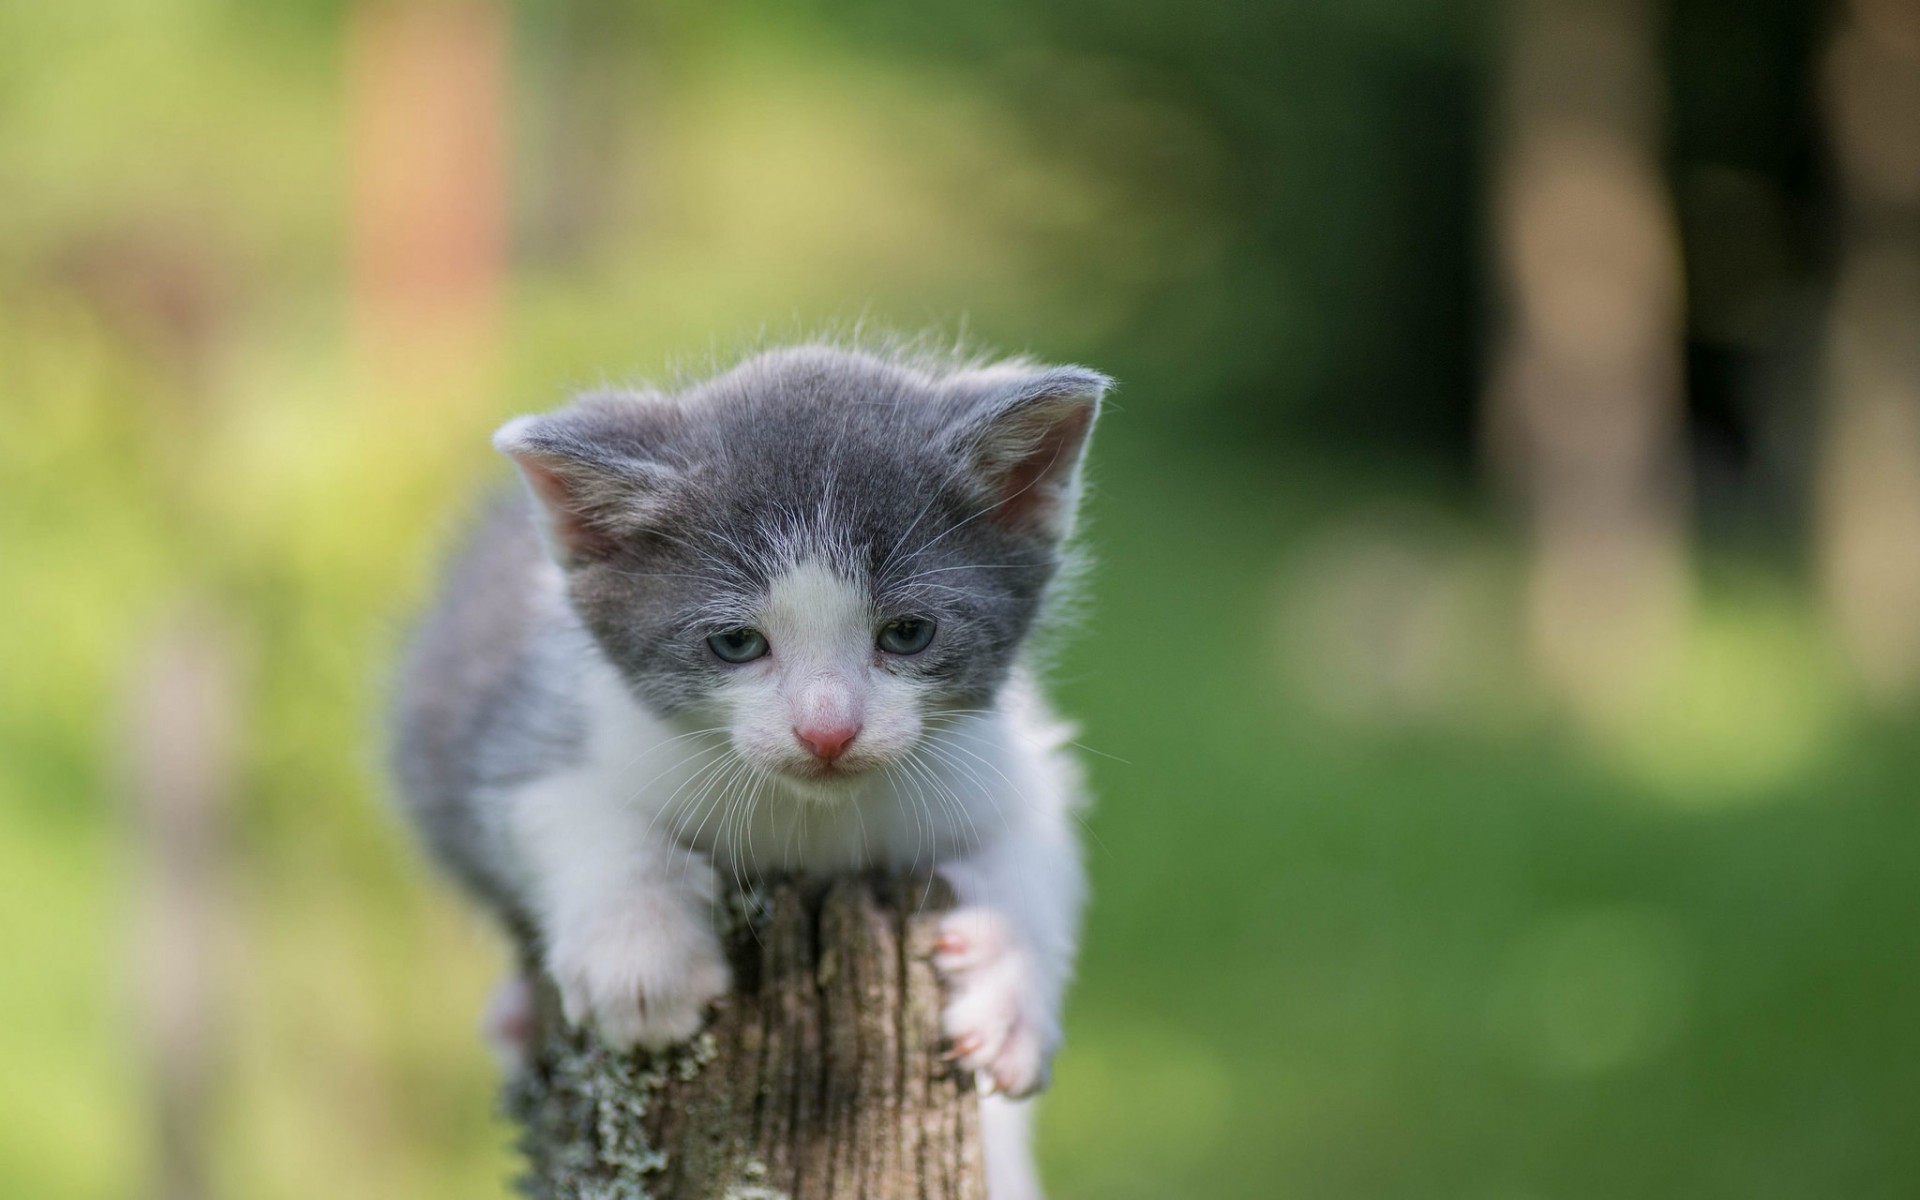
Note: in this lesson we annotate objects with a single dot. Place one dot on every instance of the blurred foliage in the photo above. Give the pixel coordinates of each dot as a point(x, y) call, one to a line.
point(1370, 919)
point(1328, 155)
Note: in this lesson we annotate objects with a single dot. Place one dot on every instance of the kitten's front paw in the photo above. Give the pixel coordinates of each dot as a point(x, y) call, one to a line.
point(643, 975)
point(996, 1019)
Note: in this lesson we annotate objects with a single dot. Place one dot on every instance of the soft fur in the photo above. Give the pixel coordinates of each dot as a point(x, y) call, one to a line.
point(577, 754)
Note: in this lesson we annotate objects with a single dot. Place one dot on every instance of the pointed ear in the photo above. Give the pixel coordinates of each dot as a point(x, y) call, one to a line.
point(1024, 436)
point(590, 477)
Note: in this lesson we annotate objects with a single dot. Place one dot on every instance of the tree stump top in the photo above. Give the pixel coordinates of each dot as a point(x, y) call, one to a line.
point(821, 1076)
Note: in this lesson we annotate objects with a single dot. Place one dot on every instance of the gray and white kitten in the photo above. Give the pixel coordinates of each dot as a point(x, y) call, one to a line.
point(772, 621)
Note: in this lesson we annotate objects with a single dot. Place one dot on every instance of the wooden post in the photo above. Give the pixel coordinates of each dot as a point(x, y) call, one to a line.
point(820, 1077)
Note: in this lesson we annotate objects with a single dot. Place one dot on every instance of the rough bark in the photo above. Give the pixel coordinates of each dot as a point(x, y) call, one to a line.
point(819, 1078)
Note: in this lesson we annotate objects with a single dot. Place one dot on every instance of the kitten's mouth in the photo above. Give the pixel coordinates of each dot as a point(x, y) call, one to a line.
point(817, 771)
point(829, 774)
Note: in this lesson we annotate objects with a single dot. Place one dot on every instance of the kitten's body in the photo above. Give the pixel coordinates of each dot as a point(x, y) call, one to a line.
point(572, 749)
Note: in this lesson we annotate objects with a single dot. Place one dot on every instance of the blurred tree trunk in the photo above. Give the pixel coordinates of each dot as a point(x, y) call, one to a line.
point(821, 1077)
point(427, 96)
point(177, 768)
point(593, 104)
point(1869, 477)
point(1584, 419)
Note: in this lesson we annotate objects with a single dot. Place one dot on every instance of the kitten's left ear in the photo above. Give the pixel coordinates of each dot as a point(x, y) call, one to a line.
point(1025, 436)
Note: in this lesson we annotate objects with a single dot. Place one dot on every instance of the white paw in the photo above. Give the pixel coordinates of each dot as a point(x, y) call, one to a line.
point(643, 975)
point(997, 1019)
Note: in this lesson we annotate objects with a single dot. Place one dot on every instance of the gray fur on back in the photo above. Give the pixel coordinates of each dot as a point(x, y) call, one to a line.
point(480, 706)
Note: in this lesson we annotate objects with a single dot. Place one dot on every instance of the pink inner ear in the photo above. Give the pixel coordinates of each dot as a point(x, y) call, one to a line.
point(571, 529)
point(1029, 484)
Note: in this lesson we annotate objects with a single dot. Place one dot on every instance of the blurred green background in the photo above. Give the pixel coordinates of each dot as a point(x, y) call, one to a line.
point(1498, 679)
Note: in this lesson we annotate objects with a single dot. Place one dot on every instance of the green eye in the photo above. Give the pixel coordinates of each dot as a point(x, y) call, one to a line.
point(738, 645)
point(909, 636)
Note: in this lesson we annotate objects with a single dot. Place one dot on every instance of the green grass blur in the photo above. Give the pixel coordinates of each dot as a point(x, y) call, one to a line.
point(1372, 918)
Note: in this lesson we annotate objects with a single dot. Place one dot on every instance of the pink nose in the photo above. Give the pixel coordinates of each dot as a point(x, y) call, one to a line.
point(826, 741)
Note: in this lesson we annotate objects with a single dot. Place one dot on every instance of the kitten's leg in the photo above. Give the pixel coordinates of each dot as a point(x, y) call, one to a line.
point(1007, 951)
point(625, 917)
point(1005, 1143)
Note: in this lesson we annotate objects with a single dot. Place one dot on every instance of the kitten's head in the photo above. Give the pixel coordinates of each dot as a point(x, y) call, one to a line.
point(819, 550)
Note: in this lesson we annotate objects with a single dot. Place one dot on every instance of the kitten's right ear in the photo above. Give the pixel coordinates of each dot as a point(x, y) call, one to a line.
point(590, 479)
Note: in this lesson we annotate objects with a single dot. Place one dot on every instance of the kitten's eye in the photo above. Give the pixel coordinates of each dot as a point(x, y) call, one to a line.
point(908, 636)
point(738, 645)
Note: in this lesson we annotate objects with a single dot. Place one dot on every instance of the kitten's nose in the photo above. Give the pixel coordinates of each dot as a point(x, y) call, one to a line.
point(826, 741)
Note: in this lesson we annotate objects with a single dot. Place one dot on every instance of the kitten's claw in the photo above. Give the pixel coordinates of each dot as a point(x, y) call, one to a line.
point(507, 1024)
point(640, 977)
point(964, 1046)
point(995, 1022)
